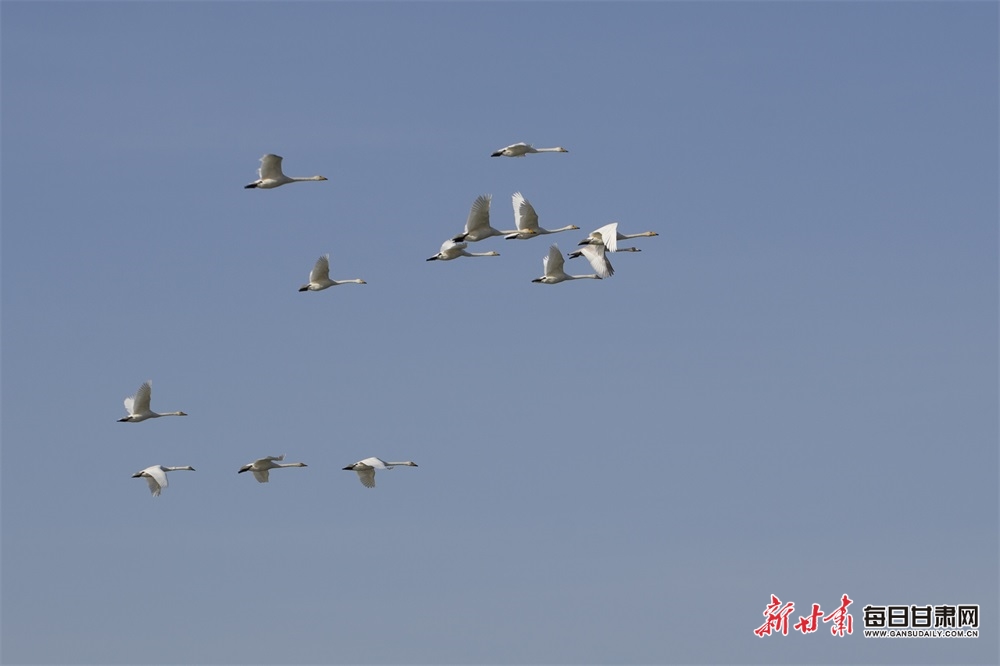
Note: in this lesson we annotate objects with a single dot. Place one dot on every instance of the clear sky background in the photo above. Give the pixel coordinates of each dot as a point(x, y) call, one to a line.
point(792, 390)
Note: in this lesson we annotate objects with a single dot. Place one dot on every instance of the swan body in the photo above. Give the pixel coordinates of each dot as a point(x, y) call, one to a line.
point(156, 476)
point(138, 409)
point(553, 267)
point(609, 236)
point(319, 277)
point(526, 220)
point(477, 226)
point(522, 149)
point(262, 467)
point(366, 469)
point(452, 250)
point(270, 175)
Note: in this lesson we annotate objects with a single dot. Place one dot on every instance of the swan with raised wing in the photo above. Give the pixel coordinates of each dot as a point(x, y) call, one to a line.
point(319, 277)
point(477, 226)
point(608, 235)
point(270, 175)
point(554, 273)
point(137, 406)
point(526, 220)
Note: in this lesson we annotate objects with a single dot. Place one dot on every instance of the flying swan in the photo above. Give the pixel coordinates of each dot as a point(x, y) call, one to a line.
point(477, 227)
point(608, 235)
point(270, 175)
point(137, 406)
point(319, 277)
point(452, 250)
point(554, 273)
point(527, 220)
point(366, 469)
point(156, 477)
point(262, 467)
point(522, 149)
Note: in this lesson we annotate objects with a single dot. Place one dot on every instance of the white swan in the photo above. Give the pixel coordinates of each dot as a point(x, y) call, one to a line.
point(137, 406)
point(554, 273)
point(366, 469)
point(527, 220)
point(452, 250)
point(609, 236)
point(319, 277)
point(262, 467)
point(477, 227)
point(522, 149)
point(270, 175)
point(156, 477)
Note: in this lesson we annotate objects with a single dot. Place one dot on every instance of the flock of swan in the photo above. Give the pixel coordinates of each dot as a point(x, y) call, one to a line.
point(593, 248)
point(139, 410)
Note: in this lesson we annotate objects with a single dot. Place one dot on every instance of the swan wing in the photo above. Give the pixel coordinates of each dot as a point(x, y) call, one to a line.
point(321, 271)
point(139, 403)
point(479, 214)
point(524, 213)
point(598, 259)
point(270, 167)
point(261, 474)
point(552, 264)
point(156, 478)
point(608, 234)
point(367, 476)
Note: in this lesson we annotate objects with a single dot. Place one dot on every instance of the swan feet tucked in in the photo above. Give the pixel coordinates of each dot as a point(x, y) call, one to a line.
point(366, 469)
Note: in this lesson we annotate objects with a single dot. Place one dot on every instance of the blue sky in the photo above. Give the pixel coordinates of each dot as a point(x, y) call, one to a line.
point(792, 390)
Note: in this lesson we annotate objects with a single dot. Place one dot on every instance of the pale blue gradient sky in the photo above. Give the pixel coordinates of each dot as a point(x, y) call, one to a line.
point(792, 390)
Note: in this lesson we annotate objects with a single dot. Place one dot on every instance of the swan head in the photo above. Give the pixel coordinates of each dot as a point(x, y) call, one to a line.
point(181, 413)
